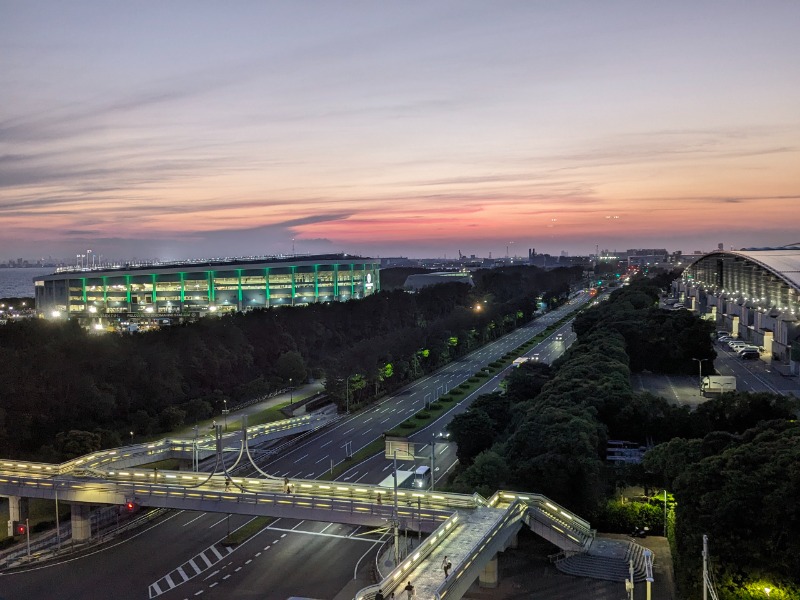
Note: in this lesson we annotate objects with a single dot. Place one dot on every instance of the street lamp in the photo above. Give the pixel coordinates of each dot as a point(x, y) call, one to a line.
point(195, 456)
point(225, 412)
point(700, 362)
point(291, 392)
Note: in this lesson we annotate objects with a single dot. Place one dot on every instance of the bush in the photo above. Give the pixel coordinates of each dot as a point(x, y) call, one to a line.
point(473, 380)
point(445, 398)
point(422, 415)
point(482, 374)
point(495, 364)
point(464, 386)
point(435, 406)
point(407, 425)
point(457, 392)
point(616, 517)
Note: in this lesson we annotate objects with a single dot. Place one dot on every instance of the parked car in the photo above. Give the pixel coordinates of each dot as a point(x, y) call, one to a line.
point(737, 343)
point(749, 354)
point(725, 339)
point(747, 349)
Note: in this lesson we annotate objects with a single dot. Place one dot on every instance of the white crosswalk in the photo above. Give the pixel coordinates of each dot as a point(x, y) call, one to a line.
point(190, 569)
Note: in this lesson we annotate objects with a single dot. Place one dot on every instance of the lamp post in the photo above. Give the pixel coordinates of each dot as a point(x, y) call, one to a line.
point(225, 412)
point(291, 392)
point(700, 362)
point(347, 395)
point(195, 456)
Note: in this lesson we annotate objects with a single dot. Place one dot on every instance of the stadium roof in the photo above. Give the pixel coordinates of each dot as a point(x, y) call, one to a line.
point(784, 261)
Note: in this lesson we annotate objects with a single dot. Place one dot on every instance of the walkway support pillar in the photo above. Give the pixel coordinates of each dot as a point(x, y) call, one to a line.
point(490, 576)
point(17, 511)
point(81, 522)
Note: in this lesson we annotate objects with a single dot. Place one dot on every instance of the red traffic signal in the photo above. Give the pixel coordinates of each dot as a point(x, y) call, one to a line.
point(20, 529)
point(130, 506)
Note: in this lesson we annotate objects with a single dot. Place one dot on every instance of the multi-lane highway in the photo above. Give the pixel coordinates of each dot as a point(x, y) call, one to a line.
point(182, 556)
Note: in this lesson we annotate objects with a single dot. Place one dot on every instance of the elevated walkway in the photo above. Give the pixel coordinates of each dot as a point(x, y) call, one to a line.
point(469, 530)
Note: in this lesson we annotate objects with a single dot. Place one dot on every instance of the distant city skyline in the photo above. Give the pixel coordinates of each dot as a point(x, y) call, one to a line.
point(180, 130)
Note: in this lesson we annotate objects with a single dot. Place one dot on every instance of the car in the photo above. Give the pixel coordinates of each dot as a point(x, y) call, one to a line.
point(559, 337)
point(535, 357)
point(736, 345)
point(747, 349)
point(749, 355)
point(725, 339)
point(443, 435)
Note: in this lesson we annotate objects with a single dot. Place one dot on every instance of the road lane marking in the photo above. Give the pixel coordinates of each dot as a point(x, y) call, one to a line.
point(193, 520)
point(326, 443)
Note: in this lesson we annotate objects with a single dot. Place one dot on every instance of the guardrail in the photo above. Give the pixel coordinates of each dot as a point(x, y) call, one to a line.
point(555, 511)
point(395, 578)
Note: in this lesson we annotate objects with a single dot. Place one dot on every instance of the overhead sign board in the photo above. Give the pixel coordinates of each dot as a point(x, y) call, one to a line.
point(399, 447)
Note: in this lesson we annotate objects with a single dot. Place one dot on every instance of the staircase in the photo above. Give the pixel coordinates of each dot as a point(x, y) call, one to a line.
point(606, 559)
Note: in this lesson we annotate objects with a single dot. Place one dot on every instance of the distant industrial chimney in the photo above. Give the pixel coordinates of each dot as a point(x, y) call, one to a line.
point(720, 246)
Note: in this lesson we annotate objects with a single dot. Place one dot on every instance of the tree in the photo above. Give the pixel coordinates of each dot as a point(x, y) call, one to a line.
point(473, 432)
point(290, 366)
point(76, 443)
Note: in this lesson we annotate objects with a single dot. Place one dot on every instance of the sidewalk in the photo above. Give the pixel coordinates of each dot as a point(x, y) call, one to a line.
point(234, 418)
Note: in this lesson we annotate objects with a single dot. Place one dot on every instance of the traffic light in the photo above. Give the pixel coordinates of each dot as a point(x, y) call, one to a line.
point(131, 506)
point(20, 528)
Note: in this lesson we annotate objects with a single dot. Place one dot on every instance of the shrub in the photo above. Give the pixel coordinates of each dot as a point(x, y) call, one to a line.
point(457, 392)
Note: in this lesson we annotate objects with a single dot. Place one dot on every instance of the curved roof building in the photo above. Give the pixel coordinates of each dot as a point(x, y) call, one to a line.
point(753, 292)
point(193, 288)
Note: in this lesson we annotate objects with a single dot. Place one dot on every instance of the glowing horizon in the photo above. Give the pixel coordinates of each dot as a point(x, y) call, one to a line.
point(194, 130)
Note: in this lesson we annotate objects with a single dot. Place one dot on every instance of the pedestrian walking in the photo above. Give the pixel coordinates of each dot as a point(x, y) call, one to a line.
point(446, 567)
point(287, 486)
point(379, 499)
point(379, 595)
point(227, 484)
point(409, 591)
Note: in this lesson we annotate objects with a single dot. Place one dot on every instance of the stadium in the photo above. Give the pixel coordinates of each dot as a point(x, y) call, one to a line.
point(178, 290)
point(754, 293)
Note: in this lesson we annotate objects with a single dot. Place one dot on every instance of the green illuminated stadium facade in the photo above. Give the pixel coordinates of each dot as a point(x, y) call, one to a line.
point(193, 288)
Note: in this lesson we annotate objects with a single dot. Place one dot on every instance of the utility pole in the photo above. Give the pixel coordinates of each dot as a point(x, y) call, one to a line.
point(396, 517)
point(433, 459)
point(705, 567)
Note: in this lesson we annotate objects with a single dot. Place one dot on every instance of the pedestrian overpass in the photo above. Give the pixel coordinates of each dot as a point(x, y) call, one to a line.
point(469, 529)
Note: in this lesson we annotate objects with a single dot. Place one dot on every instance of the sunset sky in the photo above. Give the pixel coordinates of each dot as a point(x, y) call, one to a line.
point(189, 129)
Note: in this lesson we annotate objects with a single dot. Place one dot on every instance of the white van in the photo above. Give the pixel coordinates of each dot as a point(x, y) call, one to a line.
point(422, 477)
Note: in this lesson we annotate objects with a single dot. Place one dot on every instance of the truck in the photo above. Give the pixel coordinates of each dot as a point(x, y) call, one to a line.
point(405, 480)
point(717, 384)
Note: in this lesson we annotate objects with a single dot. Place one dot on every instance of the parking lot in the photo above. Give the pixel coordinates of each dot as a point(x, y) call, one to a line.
point(751, 376)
